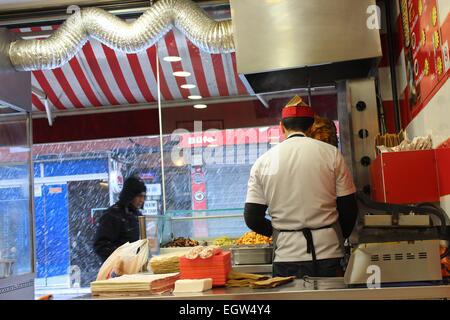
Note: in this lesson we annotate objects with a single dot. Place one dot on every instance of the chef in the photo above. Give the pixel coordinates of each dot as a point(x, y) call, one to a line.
point(309, 193)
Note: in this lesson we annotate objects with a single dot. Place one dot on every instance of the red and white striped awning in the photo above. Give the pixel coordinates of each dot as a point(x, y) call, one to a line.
point(99, 76)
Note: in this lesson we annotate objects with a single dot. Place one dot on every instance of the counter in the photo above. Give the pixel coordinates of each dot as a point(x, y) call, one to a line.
point(329, 289)
point(254, 268)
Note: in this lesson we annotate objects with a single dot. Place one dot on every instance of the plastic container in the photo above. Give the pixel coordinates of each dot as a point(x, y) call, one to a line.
point(246, 255)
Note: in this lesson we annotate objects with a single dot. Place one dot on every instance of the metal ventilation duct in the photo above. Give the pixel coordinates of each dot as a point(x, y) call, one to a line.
point(290, 44)
point(209, 35)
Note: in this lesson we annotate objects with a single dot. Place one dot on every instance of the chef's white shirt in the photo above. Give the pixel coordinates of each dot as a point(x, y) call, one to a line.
point(299, 180)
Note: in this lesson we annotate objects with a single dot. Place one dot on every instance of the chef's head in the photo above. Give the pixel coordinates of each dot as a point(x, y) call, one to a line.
point(133, 192)
point(296, 116)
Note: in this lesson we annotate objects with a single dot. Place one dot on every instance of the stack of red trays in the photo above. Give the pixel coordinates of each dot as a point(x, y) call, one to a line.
point(216, 268)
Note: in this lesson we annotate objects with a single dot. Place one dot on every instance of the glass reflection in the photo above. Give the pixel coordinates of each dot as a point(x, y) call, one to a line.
point(15, 233)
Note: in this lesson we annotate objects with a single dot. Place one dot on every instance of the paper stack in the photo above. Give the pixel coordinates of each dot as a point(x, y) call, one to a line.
point(239, 279)
point(255, 281)
point(272, 282)
point(135, 284)
point(165, 263)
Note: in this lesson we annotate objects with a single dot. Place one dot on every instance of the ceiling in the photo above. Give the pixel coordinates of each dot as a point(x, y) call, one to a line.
point(101, 77)
point(27, 13)
point(10, 5)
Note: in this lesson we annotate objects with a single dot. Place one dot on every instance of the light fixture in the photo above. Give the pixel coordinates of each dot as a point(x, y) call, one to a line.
point(188, 86)
point(179, 162)
point(104, 184)
point(172, 59)
point(18, 149)
point(200, 106)
point(194, 97)
point(181, 74)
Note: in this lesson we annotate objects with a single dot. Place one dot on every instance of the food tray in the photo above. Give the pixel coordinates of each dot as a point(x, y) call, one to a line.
point(252, 254)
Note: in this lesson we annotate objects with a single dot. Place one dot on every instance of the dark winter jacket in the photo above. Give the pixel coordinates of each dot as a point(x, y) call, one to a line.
point(120, 222)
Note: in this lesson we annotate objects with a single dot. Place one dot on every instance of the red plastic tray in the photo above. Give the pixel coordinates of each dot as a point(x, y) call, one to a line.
point(216, 268)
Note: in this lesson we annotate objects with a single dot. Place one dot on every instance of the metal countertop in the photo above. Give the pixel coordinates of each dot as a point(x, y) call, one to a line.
point(320, 289)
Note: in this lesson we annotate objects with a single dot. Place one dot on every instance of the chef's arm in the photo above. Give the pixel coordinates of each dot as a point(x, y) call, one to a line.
point(348, 213)
point(255, 218)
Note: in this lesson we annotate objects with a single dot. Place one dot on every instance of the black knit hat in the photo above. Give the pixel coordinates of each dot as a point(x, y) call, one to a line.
point(132, 187)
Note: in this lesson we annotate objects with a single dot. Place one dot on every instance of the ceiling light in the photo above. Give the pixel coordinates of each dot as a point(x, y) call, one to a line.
point(188, 86)
point(179, 162)
point(194, 97)
point(18, 149)
point(200, 106)
point(181, 74)
point(172, 59)
point(104, 184)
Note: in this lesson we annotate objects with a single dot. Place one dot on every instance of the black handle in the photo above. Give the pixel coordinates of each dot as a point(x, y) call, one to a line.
point(395, 209)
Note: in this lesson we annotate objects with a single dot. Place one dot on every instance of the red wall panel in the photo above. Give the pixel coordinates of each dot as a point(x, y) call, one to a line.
point(443, 164)
point(131, 123)
point(96, 126)
point(145, 122)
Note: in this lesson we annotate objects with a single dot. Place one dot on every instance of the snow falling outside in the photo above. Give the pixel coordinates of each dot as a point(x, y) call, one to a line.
point(75, 182)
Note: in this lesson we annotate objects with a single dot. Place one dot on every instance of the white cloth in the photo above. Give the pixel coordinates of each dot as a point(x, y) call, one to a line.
point(299, 180)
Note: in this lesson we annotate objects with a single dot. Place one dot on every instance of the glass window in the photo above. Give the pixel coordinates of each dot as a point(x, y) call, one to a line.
point(15, 224)
point(214, 166)
point(212, 131)
point(217, 132)
point(75, 183)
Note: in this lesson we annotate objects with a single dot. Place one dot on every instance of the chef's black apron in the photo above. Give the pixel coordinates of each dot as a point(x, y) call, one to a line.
point(314, 268)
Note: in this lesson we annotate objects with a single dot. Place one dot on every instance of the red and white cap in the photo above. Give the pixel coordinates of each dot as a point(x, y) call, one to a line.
point(296, 108)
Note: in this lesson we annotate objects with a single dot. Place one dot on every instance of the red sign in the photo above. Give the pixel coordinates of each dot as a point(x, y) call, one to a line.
point(234, 137)
point(230, 137)
point(424, 59)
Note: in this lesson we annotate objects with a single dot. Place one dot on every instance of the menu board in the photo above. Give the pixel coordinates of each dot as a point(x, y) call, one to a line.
point(423, 48)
